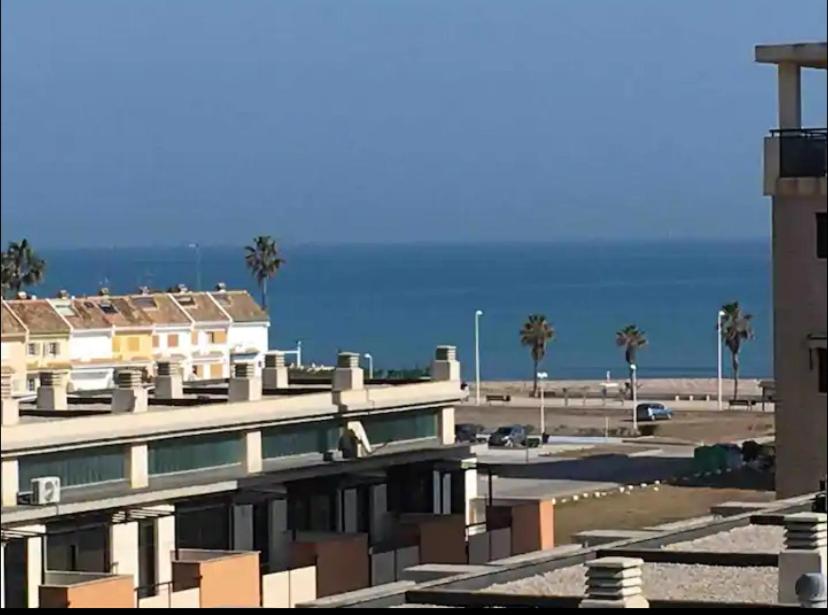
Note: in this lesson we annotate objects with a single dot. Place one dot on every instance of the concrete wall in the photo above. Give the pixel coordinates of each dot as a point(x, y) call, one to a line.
point(342, 563)
point(224, 579)
point(283, 590)
point(113, 592)
point(533, 527)
point(14, 355)
point(184, 347)
point(187, 599)
point(84, 345)
point(248, 335)
point(799, 281)
point(442, 539)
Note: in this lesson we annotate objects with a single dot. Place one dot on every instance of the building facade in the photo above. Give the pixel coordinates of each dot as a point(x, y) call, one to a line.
point(210, 354)
point(47, 340)
point(795, 179)
point(13, 348)
point(247, 334)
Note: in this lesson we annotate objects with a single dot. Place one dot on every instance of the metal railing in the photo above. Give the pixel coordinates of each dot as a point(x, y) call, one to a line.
point(803, 152)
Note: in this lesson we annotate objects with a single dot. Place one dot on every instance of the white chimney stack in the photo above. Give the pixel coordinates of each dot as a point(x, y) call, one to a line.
point(169, 380)
point(51, 395)
point(275, 372)
point(348, 375)
point(129, 394)
point(244, 384)
point(445, 365)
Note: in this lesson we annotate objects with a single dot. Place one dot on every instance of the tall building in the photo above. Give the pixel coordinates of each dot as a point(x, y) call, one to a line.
point(795, 179)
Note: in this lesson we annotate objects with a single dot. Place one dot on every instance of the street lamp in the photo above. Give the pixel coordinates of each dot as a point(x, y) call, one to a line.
point(719, 318)
point(542, 376)
point(298, 353)
point(634, 370)
point(477, 316)
point(370, 365)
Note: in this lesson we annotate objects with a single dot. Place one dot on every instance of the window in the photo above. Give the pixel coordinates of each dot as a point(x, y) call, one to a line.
point(186, 301)
point(194, 338)
point(108, 308)
point(82, 550)
point(134, 344)
point(401, 426)
point(145, 303)
point(822, 235)
point(172, 340)
point(216, 370)
point(299, 439)
point(31, 384)
point(64, 309)
point(147, 576)
point(33, 349)
point(194, 453)
point(822, 366)
point(155, 341)
point(216, 337)
point(54, 349)
point(116, 344)
point(78, 467)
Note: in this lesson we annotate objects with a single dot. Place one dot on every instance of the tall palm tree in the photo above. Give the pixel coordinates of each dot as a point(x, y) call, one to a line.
point(263, 260)
point(736, 328)
point(631, 338)
point(536, 333)
point(21, 267)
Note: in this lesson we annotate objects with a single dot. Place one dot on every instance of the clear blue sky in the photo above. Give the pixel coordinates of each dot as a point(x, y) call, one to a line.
point(162, 122)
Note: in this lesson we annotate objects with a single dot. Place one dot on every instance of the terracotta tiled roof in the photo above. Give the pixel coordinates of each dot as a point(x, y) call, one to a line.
point(79, 315)
point(11, 326)
point(200, 307)
point(39, 316)
point(161, 309)
point(240, 306)
point(118, 311)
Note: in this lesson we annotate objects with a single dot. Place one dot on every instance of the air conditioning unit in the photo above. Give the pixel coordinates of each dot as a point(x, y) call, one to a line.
point(45, 490)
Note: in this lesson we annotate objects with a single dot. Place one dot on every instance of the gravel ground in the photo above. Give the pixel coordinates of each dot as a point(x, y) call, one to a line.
point(750, 539)
point(664, 582)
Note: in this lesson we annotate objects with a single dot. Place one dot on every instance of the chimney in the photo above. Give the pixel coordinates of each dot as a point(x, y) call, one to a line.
point(445, 365)
point(169, 380)
point(806, 551)
point(244, 384)
point(275, 372)
point(143, 290)
point(181, 288)
point(221, 287)
point(63, 294)
point(9, 404)
point(22, 295)
point(614, 582)
point(51, 395)
point(129, 394)
point(348, 376)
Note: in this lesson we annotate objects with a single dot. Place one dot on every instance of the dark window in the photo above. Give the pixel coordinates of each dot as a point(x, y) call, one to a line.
point(410, 489)
point(15, 562)
point(822, 366)
point(146, 559)
point(203, 528)
point(82, 550)
point(261, 532)
point(400, 426)
point(194, 453)
point(822, 235)
point(299, 439)
point(74, 468)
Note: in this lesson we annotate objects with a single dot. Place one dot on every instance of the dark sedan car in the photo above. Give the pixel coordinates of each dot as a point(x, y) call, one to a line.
point(466, 432)
point(509, 436)
point(653, 412)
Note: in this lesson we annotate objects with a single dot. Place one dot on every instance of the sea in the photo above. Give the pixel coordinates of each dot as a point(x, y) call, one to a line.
point(398, 302)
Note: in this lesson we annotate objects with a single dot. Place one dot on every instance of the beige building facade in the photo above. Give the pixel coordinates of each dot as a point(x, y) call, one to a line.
point(795, 179)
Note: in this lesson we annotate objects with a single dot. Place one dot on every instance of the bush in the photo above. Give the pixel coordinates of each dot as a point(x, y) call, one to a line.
point(750, 451)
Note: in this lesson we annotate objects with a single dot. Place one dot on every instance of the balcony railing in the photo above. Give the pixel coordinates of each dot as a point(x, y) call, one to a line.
point(803, 152)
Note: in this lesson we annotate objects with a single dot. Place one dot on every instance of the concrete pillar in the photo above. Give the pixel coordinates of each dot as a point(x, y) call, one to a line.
point(245, 385)
point(34, 564)
point(348, 375)
point(446, 499)
point(445, 365)
point(164, 545)
point(242, 527)
point(169, 382)
point(137, 465)
point(51, 394)
point(790, 95)
point(446, 426)
point(10, 482)
point(123, 549)
point(10, 409)
point(805, 552)
point(437, 492)
point(252, 451)
point(469, 487)
point(350, 512)
point(379, 513)
point(129, 394)
point(279, 535)
point(275, 372)
point(614, 582)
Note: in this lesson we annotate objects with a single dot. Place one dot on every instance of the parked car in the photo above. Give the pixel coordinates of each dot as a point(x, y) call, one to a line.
point(509, 436)
point(466, 432)
point(651, 411)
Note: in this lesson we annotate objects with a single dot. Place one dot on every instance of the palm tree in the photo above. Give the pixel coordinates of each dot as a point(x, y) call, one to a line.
point(736, 328)
point(263, 260)
point(631, 338)
point(21, 267)
point(536, 333)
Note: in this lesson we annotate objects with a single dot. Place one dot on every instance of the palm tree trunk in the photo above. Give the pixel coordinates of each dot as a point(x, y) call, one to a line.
point(629, 367)
point(264, 293)
point(735, 375)
point(535, 377)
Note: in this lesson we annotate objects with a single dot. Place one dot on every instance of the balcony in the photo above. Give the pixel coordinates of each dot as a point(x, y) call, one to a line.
point(223, 578)
point(796, 162)
point(86, 590)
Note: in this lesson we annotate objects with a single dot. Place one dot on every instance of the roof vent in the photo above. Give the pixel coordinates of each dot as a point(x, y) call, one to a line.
point(103, 291)
point(144, 290)
point(63, 294)
point(181, 288)
point(221, 287)
point(22, 295)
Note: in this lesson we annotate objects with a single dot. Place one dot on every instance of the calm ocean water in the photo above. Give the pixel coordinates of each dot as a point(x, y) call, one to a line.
point(399, 302)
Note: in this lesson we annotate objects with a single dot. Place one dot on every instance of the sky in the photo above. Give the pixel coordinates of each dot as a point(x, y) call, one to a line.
point(354, 121)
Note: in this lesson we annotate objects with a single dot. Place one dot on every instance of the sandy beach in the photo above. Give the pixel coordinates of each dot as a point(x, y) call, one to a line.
point(748, 387)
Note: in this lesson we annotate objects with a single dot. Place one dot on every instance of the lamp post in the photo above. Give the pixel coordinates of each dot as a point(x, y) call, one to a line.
point(368, 356)
point(634, 370)
point(477, 316)
point(542, 376)
point(719, 318)
point(298, 353)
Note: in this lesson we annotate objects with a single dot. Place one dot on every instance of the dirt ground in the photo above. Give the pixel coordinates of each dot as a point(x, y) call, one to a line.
point(646, 507)
point(691, 426)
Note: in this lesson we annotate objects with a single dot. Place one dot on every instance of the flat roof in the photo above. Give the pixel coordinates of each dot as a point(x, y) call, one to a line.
point(810, 55)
